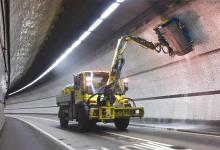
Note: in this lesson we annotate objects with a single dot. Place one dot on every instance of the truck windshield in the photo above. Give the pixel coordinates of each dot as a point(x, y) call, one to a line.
point(96, 80)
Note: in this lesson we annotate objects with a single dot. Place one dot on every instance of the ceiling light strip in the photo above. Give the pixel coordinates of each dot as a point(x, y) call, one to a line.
point(85, 35)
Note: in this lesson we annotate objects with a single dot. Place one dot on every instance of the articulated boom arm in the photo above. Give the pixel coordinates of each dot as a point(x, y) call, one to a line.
point(118, 60)
point(173, 39)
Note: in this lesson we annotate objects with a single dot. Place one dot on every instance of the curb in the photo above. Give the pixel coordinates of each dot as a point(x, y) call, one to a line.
point(179, 130)
point(52, 114)
point(200, 132)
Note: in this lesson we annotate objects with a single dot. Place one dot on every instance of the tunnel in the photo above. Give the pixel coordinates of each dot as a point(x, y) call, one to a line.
point(110, 74)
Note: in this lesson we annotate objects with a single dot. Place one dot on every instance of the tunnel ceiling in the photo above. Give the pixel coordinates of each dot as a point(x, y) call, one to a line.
point(39, 35)
point(31, 21)
point(71, 19)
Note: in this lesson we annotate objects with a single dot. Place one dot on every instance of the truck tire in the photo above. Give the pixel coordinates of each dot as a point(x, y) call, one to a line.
point(83, 117)
point(122, 123)
point(63, 121)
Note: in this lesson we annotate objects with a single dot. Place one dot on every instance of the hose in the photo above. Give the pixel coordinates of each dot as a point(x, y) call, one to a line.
point(129, 99)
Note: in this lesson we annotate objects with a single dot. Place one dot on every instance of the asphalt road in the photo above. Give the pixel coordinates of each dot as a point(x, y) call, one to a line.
point(103, 137)
point(17, 135)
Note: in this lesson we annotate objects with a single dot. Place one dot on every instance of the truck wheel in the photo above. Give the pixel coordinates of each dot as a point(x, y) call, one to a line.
point(64, 122)
point(83, 118)
point(122, 123)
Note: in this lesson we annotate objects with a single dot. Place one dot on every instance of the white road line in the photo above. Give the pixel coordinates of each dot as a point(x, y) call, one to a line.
point(47, 119)
point(177, 130)
point(198, 134)
point(158, 146)
point(103, 148)
point(46, 133)
point(126, 147)
point(139, 139)
point(156, 143)
point(155, 147)
point(148, 147)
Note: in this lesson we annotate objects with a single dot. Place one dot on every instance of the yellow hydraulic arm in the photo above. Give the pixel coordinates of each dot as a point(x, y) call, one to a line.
point(172, 34)
point(173, 39)
point(118, 60)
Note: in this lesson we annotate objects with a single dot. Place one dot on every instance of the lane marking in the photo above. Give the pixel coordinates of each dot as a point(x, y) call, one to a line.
point(146, 146)
point(47, 119)
point(153, 147)
point(174, 129)
point(150, 147)
point(158, 146)
point(197, 134)
point(139, 139)
point(126, 147)
point(103, 148)
point(46, 133)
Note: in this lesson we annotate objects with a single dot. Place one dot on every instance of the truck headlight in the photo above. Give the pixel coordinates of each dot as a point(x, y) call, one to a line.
point(125, 81)
point(88, 81)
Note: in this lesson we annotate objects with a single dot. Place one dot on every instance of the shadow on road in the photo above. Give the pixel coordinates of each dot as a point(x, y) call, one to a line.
point(99, 128)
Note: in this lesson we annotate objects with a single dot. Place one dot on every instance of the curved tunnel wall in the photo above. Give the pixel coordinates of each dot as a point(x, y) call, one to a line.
point(185, 87)
point(2, 117)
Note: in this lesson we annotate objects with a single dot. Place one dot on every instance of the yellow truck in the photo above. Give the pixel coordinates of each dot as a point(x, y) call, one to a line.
point(99, 96)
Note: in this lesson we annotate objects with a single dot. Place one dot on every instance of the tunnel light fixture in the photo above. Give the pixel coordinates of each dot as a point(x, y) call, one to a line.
point(84, 35)
point(109, 10)
point(95, 25)
point(120, 1)
point(60, 59)
point(64, 55)
point(103, 16)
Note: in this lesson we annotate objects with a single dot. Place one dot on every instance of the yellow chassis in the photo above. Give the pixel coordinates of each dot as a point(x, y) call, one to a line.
point(110, 113)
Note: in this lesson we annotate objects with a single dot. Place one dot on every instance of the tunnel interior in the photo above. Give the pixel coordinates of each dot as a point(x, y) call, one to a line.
point(150, 65)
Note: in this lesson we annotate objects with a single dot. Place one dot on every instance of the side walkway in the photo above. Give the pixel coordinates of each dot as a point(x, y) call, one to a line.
point(183, 127)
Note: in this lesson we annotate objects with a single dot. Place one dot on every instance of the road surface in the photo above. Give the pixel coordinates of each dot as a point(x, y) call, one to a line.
point(45, 133)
